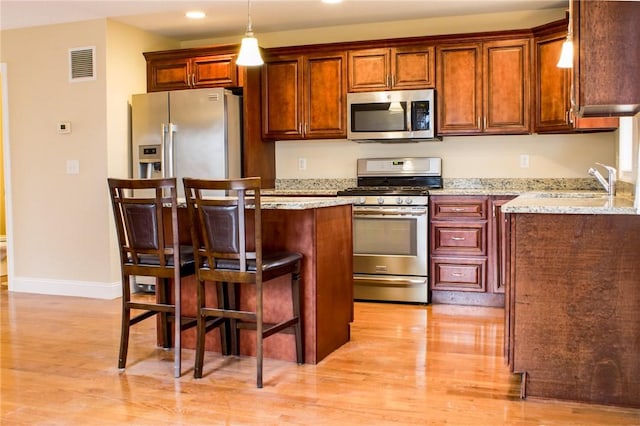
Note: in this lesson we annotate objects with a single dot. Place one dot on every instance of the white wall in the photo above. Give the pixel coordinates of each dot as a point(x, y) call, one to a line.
point(62, 227)
point(396, 29)
point(550, 156)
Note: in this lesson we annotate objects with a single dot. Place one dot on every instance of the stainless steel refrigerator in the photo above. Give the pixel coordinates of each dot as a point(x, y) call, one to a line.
point(186, 133)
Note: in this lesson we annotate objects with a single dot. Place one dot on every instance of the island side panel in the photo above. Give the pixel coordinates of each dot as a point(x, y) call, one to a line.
point(576, 289)
point(334, 279)
point(294, 230)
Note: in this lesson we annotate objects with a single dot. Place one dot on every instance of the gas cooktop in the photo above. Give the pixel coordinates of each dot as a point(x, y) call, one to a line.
point(386, 190)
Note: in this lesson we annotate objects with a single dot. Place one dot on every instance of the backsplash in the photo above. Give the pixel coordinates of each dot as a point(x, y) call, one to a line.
point(517, 184)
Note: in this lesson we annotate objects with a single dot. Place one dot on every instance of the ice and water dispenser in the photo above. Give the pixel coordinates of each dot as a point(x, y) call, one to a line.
point(149, 161)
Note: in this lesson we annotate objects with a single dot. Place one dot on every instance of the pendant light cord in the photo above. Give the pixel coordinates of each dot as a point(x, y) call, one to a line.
point(249, 27)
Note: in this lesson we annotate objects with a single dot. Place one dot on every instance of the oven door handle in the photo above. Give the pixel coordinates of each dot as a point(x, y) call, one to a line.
point(389, 212)
point(398, 281)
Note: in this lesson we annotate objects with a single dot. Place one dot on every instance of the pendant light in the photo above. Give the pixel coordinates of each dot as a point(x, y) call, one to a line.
point(249, 51)
point(566, 55)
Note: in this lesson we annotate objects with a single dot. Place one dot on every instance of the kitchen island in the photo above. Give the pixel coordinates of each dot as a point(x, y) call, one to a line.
point(572, 305)
point(321, 230)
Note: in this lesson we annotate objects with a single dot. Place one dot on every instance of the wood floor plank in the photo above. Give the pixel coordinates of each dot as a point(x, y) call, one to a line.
point(405, 364)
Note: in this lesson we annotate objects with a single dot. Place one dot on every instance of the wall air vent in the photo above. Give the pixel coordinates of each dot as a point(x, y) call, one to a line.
point(82, 64)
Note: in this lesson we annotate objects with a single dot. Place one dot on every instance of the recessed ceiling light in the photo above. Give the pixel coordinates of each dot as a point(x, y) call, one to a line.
point(195, 14)
point(331, 1)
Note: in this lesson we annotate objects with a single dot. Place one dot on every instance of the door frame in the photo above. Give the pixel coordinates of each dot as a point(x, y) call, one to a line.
point(7, 172)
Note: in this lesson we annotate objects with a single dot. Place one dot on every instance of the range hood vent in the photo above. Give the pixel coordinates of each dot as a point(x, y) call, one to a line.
point(82, 64)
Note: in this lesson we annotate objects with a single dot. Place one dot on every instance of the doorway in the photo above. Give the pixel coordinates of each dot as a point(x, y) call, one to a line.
point(5, 220)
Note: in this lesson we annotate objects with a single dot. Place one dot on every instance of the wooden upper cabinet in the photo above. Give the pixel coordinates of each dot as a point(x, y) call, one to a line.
point(606, 62)
point(304, 96)
point(391, 68)
point(459, 89)
point(553, 112)
point(506, 86)
point(282, 98)
point(552, 87)
point(325, 105)
point(483, 88)
point(191, 69)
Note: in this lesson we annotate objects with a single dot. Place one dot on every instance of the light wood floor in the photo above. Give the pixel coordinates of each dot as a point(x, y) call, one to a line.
point(405, 365)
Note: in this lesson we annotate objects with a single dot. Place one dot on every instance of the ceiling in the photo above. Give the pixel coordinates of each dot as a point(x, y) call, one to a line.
point(229, 17)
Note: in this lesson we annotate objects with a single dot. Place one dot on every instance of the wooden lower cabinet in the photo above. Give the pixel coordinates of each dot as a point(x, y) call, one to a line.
point(572, 307)
point(467, 249)
point(499, 244)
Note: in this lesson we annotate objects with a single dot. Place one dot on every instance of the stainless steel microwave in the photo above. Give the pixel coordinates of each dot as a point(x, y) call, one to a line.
point(399, 115)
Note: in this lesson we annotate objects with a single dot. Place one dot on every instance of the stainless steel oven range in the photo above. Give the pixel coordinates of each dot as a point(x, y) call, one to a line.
point(390, 227)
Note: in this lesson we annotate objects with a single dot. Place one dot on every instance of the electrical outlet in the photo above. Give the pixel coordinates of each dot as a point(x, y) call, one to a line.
point(64, 127)
point(524, 161)
point(302, 163)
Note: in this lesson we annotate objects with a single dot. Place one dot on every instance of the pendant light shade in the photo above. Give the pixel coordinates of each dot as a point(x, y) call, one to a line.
point(566, 55)
point(249, 50)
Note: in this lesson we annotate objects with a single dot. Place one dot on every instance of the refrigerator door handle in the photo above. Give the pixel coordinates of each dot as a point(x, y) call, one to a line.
point(169, 146)
point(163, 148)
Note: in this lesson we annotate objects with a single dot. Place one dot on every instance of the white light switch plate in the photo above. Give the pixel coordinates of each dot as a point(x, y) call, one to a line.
point(73, 167)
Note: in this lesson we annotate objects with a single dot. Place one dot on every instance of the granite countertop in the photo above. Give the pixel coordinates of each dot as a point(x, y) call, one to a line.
point(570, 202)
point(536, 195)
point(301, 203)
point(476, 191)
point(293, 203)
point(303, 192)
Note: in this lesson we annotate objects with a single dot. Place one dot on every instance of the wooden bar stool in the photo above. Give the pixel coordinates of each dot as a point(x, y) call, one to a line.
point(223, 253)
point(149, 246)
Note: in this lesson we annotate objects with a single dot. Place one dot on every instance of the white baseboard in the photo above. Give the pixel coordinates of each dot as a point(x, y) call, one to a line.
point(91, 289)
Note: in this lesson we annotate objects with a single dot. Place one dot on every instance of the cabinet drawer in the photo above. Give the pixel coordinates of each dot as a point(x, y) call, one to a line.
point(467, 239)
point(458, 274)
point(467, 207)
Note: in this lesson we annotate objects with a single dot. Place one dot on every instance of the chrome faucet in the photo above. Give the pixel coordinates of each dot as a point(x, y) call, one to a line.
point(609, 184)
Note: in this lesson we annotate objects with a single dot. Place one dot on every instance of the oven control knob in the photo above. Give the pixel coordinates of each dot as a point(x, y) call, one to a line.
point(399, 200)
point(362, 200)
point(380, 200)
point(408, 201)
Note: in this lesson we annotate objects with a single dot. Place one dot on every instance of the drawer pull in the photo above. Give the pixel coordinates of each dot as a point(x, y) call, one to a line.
point(458, 238)
point(457, 274)
point(458, 209)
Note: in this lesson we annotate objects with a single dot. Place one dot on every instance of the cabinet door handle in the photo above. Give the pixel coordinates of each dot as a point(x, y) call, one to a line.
point(485, 122)
point(479, 127)
point(458, 238)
